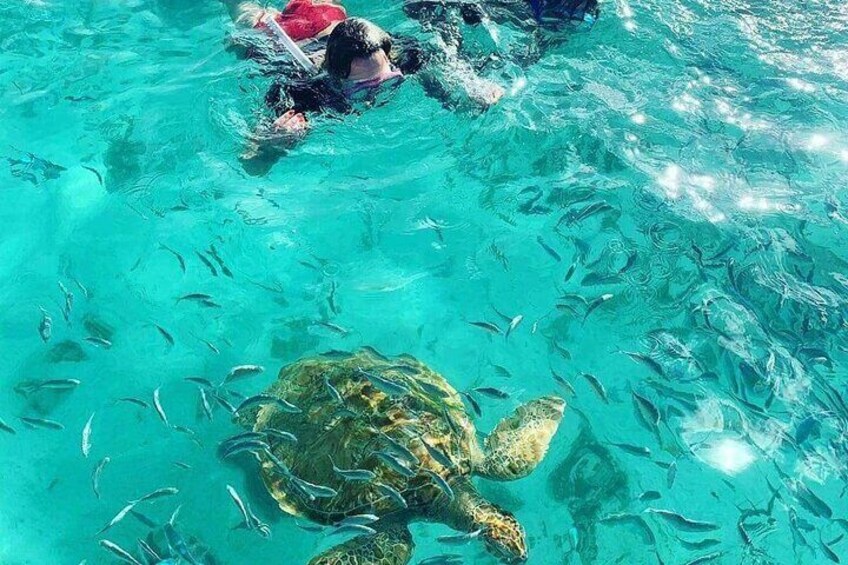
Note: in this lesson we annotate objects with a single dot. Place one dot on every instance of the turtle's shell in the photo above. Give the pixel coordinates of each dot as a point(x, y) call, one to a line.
point(350, 434)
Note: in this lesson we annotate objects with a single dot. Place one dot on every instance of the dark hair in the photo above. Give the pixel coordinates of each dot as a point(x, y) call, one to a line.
point(351, 39)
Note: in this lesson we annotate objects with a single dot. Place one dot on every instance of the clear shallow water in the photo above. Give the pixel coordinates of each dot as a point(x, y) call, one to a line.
point(715, 134)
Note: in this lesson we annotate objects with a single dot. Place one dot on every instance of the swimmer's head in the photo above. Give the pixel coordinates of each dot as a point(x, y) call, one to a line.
point(354, 38)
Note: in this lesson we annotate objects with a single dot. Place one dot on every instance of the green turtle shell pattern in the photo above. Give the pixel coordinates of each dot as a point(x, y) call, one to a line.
point(349, 435)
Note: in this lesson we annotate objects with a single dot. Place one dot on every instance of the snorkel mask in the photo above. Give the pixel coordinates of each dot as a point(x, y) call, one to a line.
point(584, 11)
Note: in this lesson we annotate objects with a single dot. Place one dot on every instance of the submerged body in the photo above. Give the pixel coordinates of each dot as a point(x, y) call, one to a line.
point(412, 443)
point(343, 64)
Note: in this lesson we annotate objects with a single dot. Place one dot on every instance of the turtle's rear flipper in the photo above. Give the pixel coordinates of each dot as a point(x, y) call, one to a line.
point(389, 546)
point(519, 442)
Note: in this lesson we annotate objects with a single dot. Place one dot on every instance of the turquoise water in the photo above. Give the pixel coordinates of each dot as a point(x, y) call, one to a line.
point(710, 139)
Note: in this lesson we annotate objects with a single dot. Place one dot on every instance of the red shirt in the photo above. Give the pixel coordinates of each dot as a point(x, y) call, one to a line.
point(301, 19)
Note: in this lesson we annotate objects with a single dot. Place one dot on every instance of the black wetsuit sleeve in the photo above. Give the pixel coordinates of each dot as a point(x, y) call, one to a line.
point(436, 11)
point(408, 54)
point(311, 95)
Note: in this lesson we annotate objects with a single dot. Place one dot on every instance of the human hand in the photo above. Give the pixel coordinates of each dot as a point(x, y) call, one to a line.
point(488, 93)
point(291, 122)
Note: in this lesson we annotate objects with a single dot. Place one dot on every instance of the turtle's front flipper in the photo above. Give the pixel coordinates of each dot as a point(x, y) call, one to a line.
point(519, 442)
point(498, 529)
point(389, 546)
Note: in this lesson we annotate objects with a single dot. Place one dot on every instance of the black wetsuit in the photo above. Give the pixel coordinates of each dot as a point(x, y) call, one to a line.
point(473, 12)
point(324, 93)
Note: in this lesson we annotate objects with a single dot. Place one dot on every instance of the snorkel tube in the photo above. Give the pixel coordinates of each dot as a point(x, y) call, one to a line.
point(289, 44)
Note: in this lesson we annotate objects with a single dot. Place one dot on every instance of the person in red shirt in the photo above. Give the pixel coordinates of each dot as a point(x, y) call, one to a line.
point(305, 21)
point(360, 57)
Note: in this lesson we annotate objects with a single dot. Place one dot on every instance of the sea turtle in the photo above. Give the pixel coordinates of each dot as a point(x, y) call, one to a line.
point(390, 439)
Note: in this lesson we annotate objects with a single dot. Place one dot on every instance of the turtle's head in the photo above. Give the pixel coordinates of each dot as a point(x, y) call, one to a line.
point(504, 537)
point(520, 442)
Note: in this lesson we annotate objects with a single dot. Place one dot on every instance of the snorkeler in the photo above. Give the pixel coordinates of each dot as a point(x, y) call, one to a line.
point(343, 64)
point(451, 18)
point(549, 13)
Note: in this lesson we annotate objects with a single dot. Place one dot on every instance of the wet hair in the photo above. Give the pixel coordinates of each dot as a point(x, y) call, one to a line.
point(351, 39)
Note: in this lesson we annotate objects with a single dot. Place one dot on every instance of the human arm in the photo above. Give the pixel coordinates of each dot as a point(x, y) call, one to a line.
point(445, 75)
point(292, 104)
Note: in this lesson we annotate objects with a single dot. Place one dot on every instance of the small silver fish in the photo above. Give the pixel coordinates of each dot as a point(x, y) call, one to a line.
point(118, 517)
point(488, 326)
point(136, 401)
point(99, 342)
point(200, 381)
point(570, 272)
point(280, 434)
point(333, 392)
point(224, 402)
point(95, 475)
point(444, 559)
point(682, 522)
point(204, 401)
point(433, 390)
point(358, 529)
point(259, 399)
point(492, 392)
point(157, 404)
point(595, 303)
point(45, 327)
point(42, 423)
point(352, 474)
point(207, 263)
point(195, 296)
point(6, 427)
point(460, 539)
point(384, 385)
point(548, 249)
point(148, 551)
point(29, 387)
point(636, 450)
point(253, 445)
point(165, 334)
point(243, 371)
point(239, 504)
point(394, 463)
point(81, 286)
point(441, 483)
point(144, 519)
point(310, 527)
point(597, 385)
point(359, 520)
point(312, 490)
point(158, 493)
point(242, 437)
point(211, 346)
point(59, 384)
point(671, 475)
point(282, 467)
point(119, 552)
point(178, 256)
point(391, 493)
point(438, 455)
point(86, 436)
point(334, 327)
point(402, 450)
point(69, 302)
point(564, 383)
point(513, 324)
point(646, 409)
